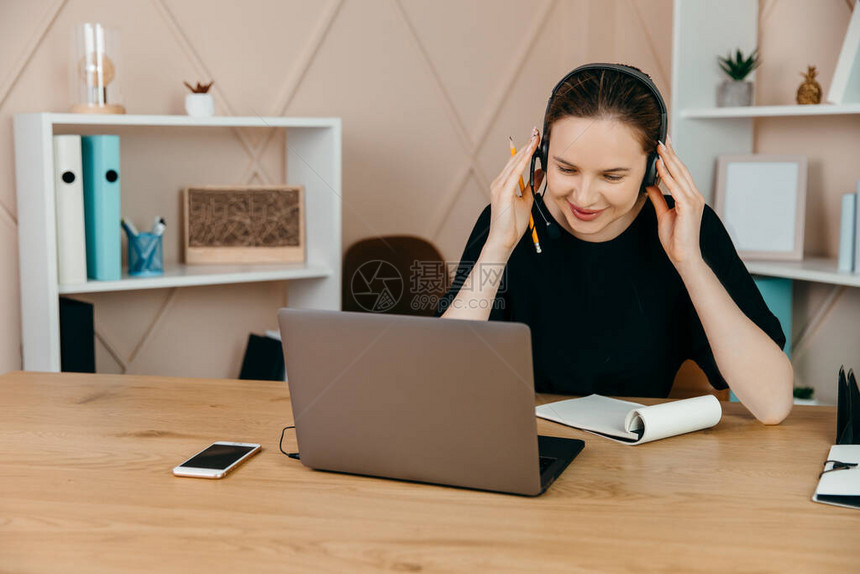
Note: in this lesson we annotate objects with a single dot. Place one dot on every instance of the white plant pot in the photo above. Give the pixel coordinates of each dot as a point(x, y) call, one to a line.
point(731, 93)
point(200, 105)
point(806, 401)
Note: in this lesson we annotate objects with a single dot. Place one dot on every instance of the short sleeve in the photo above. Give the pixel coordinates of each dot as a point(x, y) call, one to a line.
point(471, 253)
point(721, 256)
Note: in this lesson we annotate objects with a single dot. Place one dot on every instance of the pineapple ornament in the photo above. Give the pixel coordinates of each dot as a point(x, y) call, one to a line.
point(809, 91)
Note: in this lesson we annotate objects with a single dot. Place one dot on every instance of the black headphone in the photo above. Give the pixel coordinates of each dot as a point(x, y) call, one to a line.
point(542, 152)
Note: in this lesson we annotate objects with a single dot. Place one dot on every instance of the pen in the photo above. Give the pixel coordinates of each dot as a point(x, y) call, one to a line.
point(520, 194)
point(129, 227)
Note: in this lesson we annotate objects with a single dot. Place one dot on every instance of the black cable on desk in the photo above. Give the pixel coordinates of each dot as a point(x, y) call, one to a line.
point(294, 455)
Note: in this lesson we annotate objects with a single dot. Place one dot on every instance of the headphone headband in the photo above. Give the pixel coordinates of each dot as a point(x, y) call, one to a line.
point(621, 68)
point(542, 152)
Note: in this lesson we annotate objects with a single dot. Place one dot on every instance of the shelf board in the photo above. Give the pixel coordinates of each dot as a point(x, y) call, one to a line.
point(192, 275)
point(814, 269)
point(188, 121)
point(771, 111)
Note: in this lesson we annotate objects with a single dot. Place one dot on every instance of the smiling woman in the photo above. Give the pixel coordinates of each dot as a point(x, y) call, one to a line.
point(626, 289)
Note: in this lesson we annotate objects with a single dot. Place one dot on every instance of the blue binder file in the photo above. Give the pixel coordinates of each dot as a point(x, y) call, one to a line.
point(100, 158)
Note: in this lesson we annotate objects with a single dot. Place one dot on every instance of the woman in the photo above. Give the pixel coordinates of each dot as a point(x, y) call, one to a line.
point(632, 283)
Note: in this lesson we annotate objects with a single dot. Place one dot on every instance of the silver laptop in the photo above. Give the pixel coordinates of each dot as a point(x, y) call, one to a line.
point(440, 401)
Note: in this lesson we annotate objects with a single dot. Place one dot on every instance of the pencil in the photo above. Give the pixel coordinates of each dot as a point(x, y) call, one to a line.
point(520, 194)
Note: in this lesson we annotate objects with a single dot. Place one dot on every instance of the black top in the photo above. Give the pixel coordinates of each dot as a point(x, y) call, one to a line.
point(614, 317)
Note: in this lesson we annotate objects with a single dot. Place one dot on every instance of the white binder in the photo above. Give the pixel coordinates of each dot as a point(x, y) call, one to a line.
point(69, 200)
point(856, 229)
point(847, 232)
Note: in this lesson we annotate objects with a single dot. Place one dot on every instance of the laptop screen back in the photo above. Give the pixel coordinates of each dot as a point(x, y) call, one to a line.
point(415, 398)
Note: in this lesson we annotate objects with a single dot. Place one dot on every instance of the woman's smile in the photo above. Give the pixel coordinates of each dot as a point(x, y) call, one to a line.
point(584, 214)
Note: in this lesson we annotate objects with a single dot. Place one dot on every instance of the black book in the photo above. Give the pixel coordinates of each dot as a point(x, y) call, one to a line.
point(77, 337)
point(848, 409)
point(264, 360)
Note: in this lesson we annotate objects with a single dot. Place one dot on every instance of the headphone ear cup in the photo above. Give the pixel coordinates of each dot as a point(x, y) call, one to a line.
point(532, 171)
point(650, 172)
point(539, 154)
point(544, 153)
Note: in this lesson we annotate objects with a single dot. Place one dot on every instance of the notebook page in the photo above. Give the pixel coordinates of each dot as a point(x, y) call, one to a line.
point(593, 413)
point(674, 418)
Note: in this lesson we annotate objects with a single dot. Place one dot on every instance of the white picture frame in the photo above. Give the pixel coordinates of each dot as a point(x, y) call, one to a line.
point(761, 200)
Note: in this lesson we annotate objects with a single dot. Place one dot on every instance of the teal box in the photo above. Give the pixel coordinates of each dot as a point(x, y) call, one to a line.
point(100, 158)
point(777, 294)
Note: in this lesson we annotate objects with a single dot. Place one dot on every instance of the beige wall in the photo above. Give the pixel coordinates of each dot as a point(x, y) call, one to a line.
point(428, 91)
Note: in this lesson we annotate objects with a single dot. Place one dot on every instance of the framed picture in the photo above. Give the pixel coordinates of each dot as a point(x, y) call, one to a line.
point(761, 200)
point(244, 224)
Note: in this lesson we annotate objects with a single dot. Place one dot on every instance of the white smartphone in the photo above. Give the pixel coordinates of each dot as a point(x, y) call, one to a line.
point(217, 459)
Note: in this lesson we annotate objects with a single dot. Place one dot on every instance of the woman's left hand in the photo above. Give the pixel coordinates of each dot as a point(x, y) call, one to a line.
point(678, 227)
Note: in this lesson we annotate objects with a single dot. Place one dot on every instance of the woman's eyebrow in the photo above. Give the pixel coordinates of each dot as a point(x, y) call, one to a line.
point(565, 162)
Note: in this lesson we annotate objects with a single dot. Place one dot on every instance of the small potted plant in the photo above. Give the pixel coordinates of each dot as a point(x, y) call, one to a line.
point(199, 102)
point(736, 91)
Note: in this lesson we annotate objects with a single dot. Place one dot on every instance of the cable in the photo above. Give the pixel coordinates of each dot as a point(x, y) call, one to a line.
point(538, 200)
point(551, 229)
point(294, 455)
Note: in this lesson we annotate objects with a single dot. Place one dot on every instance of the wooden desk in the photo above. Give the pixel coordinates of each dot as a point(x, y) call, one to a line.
point(86, 486)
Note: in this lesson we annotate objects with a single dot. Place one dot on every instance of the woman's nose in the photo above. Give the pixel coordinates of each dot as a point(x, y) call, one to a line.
point(583, 192)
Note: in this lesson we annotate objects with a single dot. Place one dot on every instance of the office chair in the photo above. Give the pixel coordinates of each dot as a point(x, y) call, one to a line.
point(691, 381)
point(398, 274)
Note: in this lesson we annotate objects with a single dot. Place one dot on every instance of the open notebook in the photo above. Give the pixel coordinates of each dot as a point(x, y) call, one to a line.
point(633, 423)
point(840, 483)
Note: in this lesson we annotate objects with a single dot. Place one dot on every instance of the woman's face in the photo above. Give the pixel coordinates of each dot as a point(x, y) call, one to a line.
point(595, 169)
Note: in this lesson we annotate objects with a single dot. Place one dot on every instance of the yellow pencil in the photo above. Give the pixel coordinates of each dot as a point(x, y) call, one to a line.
point(520, 194)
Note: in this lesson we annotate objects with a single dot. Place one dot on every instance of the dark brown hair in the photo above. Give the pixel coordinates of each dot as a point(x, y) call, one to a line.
point(609, 95)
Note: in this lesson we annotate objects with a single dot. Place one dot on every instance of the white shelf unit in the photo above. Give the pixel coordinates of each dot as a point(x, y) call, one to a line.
point(191, 275)
point(313, 159)
point(772, 111)
point(814, 269)
point(703, 29)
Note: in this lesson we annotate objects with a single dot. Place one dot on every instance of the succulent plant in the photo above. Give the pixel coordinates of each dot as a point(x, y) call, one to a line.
point(739, 67)
point(200, 88)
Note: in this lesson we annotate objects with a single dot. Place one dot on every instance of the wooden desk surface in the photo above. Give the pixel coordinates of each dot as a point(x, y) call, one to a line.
point(86, 486)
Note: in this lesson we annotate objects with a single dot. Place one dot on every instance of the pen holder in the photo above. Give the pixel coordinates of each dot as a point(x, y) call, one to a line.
point(145, 255)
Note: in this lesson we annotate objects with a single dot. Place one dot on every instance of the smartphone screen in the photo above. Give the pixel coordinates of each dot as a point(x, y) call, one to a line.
point(217, 456)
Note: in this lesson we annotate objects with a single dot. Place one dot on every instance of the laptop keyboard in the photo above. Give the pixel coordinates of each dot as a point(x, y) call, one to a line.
point(545, 462)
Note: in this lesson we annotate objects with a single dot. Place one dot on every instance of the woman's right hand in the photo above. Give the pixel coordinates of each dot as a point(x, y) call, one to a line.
point(509, 214)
